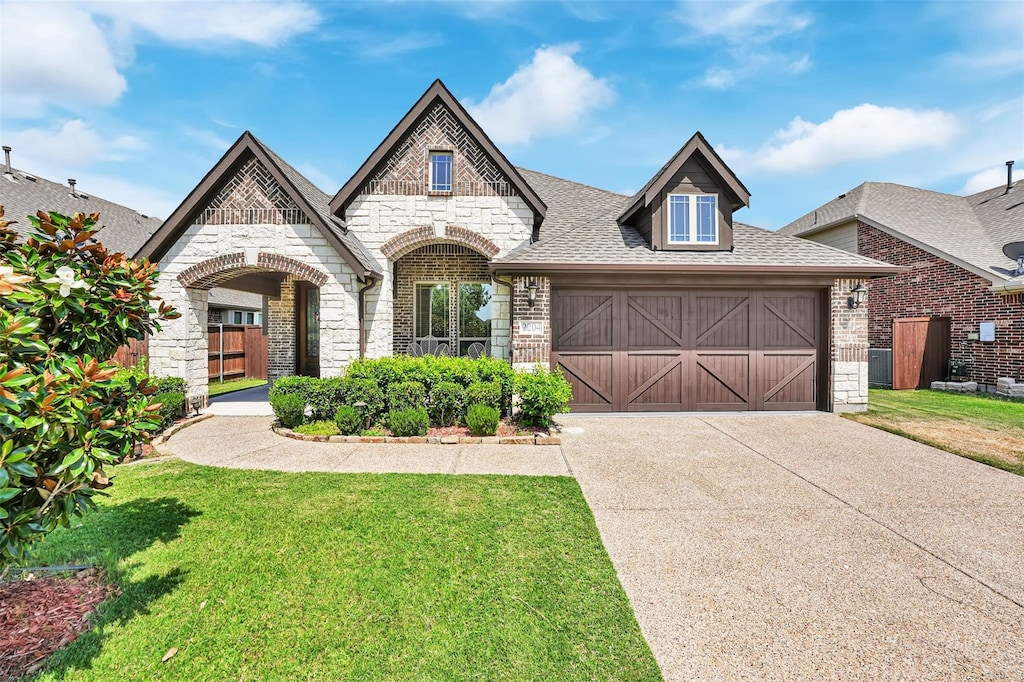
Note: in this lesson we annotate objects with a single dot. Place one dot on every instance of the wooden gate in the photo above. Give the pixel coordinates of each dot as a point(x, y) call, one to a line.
point(678, 349)
point(236, 351)
point(920, 351)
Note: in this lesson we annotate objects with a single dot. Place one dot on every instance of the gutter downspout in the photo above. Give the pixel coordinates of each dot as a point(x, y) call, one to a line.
point(511, 309)
point(370, 283)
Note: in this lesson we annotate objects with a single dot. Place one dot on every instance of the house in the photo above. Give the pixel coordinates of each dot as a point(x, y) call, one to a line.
point(960, 296)
point(657, 301)
point(124, 229)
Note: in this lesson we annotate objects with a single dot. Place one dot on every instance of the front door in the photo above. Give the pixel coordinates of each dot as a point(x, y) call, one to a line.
point(307, 303)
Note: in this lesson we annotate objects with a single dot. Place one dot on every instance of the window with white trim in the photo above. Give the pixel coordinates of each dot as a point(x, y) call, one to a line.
point(692, 219)
point(432, 313)
point(440, 171)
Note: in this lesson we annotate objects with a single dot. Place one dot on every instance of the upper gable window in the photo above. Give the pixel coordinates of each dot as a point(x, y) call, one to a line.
point(440, 171)
point(692, 219)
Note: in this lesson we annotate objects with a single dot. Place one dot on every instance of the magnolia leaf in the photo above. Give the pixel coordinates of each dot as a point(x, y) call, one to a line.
point(170, 654)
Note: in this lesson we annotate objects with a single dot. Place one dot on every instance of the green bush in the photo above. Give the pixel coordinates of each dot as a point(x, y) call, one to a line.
point(169, 384)
point(172, 403)
point(325, 396)
point(286, 385)
point(66, 305)
point(542, 393)
point(317, 428)
point(372, 432)
point(409, 422)
point(485, 393)
point(367, 391)
point(482, 420)
point(289, 408)
point(406, 395)
point(447, 401)
point(348, 420)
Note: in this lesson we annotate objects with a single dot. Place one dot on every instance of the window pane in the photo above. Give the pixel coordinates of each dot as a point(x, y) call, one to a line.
point(679, 218)
point(441, 172)
point(312, 323)
point(474, 311)
point(250, 318)
point(432, 306)
point(238, 317)
point(706, 219)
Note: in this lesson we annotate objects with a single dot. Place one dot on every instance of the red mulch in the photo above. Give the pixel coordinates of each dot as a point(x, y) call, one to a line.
point(504, 429)
point(39, 615)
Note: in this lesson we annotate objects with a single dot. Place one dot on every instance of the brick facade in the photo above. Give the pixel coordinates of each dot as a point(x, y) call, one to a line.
point(848, 349)
point(281, 325)
point(936, 287)
point(530, 348)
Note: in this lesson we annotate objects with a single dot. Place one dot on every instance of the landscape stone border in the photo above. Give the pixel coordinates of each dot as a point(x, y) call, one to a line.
point(537, 439)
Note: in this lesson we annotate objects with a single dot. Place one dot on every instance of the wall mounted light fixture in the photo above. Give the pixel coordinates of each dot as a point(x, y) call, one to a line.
point(857, 295)
point(531, 292)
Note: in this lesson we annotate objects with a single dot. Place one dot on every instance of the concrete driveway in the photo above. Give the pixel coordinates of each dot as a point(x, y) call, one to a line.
point(807, 547)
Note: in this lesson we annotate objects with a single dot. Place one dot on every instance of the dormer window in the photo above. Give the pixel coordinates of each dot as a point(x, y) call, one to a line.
point(692, 219)
point(440, 171)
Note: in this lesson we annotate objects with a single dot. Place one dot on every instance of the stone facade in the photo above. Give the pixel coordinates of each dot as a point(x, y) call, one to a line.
point(935, 286)
point(849, 349)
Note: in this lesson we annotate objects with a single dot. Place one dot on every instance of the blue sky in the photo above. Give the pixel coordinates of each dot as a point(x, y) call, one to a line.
point(137, 100)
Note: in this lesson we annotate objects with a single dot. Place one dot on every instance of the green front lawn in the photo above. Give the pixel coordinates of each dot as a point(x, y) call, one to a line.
point(985, 428)
point(216, 388)
point(276, 576)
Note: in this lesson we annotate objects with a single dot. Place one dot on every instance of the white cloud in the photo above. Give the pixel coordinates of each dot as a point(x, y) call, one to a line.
point(986, 179)
point(207, 139)
point(991, 42)
point(72, 144)
point(386, 48)
point(54, 53)
point(550, 95)
point(864, 132)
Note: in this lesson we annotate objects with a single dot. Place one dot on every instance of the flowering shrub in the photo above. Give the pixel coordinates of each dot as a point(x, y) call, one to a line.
point(66, 305)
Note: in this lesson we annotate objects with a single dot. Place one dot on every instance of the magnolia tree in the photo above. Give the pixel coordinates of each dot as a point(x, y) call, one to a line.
point(66, 305)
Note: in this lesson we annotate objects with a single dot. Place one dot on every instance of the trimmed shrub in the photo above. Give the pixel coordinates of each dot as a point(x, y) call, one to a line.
point(318, 428)
point(325, 396)
point(447, 401)
point(406, 395)
point(372, 432)
point(171, 405)
point(366, 391)
point(409, 422)
point(482, 420)
point(289, 408)
point(543, 393)
point(287, 385)
point(348, 420)
point(485, 393)
point(168, 384)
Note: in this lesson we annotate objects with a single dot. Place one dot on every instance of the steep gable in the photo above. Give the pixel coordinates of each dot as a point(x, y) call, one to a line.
point(437, 122)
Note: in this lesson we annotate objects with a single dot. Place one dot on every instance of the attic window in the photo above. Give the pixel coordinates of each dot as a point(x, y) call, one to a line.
point(692, 219)
point(440, 171)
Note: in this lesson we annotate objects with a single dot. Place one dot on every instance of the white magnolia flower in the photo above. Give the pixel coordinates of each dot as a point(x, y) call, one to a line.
point(66, 279)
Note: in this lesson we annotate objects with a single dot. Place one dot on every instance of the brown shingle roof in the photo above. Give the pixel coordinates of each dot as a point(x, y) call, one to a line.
point(124, 229)
point(971, 230)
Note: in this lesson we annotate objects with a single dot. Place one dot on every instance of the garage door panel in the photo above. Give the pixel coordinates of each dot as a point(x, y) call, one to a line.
point(654, 381)
point(790, 321)
point(583, 321)
point(722, 380)
point(723, 321)
point(656, 321)
point(591, 376)
point(788, 380)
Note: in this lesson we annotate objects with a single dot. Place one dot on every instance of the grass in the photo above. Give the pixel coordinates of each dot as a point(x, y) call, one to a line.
point(279, 576)
point(216, 388)
point(984, 428)
point(318, 428)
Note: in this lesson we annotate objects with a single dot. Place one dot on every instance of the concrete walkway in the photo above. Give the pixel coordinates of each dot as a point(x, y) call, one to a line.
point(248, 443)
point(250, 402)
point(807, 547)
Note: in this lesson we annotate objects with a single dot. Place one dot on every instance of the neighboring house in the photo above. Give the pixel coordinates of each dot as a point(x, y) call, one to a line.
point(659, 301)
point(955, 273)
point(124, 229)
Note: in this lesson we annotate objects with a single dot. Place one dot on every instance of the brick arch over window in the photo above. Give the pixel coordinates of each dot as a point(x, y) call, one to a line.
point(401, 244)
point(216, 271)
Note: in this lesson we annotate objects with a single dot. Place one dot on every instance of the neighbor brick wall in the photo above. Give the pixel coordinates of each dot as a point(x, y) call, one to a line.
point(934, 286)
point(530, 349)
point(848, 349)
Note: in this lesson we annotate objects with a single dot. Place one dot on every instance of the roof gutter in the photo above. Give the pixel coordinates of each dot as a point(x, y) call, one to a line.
point(370, 283)
point(1008, 288)
point(697, 268)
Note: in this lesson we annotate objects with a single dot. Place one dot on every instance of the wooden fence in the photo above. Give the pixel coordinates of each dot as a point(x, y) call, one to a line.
point(129, 355)
point(236, 351)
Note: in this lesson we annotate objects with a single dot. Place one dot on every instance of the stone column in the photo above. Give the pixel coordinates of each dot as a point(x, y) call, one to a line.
point(180, 348)
point(849, 349)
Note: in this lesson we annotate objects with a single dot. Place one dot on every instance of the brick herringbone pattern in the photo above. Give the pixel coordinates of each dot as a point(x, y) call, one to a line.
point(406, 172)
point(252, 197)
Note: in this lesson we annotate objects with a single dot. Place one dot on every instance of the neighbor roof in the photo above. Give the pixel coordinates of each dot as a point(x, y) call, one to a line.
point(311, 199)
point(969, 231)
point(582, 232)
point(22, 194)
point(231, 298)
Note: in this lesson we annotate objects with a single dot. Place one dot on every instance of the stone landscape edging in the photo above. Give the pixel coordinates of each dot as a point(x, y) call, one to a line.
point(536, 439)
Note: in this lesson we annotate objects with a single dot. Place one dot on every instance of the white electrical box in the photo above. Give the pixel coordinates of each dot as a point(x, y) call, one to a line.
point(987, 331)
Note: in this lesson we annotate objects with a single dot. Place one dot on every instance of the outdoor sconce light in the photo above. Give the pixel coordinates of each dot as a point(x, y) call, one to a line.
point(856, 296)
point(195, 403)
point(531, 292)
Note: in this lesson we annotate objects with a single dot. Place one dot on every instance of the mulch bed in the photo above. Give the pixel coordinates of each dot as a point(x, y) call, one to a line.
point(41, 614)
point(505, 428)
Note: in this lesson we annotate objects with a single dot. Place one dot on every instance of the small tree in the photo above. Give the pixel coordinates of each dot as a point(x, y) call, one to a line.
point(66, 305)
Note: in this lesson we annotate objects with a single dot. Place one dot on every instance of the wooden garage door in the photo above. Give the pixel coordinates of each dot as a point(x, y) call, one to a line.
point(679, 349)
